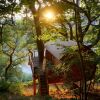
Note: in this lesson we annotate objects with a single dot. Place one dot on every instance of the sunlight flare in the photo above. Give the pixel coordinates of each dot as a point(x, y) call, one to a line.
point(49, 15)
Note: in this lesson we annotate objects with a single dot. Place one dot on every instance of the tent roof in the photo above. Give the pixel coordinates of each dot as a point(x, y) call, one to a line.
point(56, 48)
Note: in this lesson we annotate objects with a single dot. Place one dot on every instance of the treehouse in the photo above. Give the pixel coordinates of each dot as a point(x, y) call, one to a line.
point(54, 52)
point(54, 55)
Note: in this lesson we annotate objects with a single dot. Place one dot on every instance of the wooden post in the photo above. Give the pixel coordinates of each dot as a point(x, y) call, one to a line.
point(34, 86)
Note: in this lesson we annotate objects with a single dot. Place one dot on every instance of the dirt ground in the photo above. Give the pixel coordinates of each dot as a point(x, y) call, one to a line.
point(54, 93)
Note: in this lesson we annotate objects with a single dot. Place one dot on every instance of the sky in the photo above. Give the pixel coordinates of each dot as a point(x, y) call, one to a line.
point(20, 15)
point(26, 68)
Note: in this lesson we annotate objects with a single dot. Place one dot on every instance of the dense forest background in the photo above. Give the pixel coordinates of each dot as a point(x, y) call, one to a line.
point(25, 27)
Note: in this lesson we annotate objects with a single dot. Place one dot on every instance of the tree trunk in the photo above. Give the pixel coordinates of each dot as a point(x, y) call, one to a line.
point(40, 47)
point(43, 80)
point(78, 32)
point(7, 68)
point(31, 63)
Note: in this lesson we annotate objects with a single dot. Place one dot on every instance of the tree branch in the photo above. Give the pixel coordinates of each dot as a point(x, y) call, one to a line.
point(5, 53)
point(71, 31)
point(10, 63)
point(77, 7)
point(96, 41)
point(20, 58)
point(86, 28)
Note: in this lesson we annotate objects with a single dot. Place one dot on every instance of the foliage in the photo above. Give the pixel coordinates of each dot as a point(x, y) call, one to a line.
point(26, 77)
point(15, 74)
point(16, 39)
point(16, 88)
point(28, 83)
point(6, 7)
point(4, 85)
point(15, 44)
point(97, 76)
point(7, 11)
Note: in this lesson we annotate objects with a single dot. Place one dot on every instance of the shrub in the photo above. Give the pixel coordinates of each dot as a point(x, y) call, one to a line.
point(16, 88)
point(4, 86)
